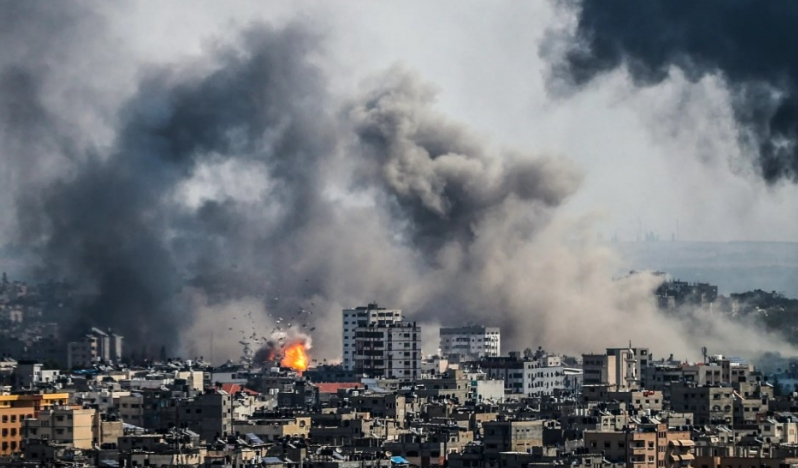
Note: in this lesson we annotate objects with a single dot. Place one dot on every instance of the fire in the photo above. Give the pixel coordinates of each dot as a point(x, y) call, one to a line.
point(295, 356)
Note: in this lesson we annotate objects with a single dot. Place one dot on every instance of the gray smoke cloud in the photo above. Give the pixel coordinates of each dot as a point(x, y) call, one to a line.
point(751, 45)
point(436, 174)
point(235, 193)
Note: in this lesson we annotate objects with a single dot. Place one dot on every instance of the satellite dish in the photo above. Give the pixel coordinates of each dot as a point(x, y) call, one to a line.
point(338, 450)
point(388, 454)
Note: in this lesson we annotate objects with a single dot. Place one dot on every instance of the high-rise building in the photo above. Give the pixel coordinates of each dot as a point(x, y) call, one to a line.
point(470, 342)
point(363, 316)
point(390, 350)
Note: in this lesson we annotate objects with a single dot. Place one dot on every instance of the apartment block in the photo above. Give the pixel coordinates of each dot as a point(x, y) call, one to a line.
point(15, 409)
point(643, 446)
point(360, 317)
point(470, 342)
point(511, 436)
point(62, 425)
point(391, 350)
point(620, 369)
point(709, 404)
point(11, 428)
point(95, 346)
point(29, 374)
point(130, 409)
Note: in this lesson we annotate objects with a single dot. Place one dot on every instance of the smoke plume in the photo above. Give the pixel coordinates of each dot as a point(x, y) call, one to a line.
point(236, 180)
point(750, 44)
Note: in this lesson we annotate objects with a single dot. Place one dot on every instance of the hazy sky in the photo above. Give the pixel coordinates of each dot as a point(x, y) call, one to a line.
point(656, 157)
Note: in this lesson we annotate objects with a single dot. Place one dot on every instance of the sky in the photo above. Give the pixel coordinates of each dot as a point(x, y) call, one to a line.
point(662, 159)
point(194, 162)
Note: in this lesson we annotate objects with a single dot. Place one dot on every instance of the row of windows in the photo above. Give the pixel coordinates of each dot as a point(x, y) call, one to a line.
point(13, 417)
point(5, 446)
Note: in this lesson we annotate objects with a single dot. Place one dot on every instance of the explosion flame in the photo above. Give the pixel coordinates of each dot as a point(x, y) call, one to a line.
point(295, 356)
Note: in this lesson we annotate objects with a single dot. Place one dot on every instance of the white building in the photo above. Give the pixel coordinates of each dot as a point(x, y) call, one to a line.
point(470, 342)
point(389, 350)
point(30, 374)
point(365, 316)
point(550, 378)
point(531, 375)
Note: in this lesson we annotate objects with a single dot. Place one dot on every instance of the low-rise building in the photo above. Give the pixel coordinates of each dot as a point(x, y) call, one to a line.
point(72, 426)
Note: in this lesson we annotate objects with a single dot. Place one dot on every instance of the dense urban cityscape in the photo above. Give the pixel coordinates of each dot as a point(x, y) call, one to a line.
point(89, 402)
point(450, 234)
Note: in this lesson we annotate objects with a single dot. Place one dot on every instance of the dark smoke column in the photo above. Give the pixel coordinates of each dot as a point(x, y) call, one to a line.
point(752, 44)
point(113, 223)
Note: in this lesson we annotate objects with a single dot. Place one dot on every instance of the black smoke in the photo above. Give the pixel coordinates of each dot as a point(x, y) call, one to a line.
point(752, 45)
point(112, 222)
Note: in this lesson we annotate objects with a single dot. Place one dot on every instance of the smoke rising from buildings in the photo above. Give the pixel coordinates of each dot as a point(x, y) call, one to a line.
point(750, 45)
point(235, 179)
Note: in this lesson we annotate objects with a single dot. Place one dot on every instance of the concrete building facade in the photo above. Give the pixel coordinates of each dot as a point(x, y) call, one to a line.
point(359, 317)
point(96, 346)
point(470, 342)
point(391, 350)
point(63, 425)
point(620, 369)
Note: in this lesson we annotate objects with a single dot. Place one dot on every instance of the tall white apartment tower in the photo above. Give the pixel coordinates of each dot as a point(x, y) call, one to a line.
point(364, 316)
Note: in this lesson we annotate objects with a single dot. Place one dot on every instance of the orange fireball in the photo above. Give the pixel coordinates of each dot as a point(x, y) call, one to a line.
point(295, 357)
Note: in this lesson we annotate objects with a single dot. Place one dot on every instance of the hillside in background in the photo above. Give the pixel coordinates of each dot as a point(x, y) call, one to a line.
point(734, 267)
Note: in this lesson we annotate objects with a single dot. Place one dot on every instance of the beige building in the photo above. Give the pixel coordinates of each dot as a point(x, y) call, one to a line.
point(710, 405)
point(273, 429)
point(62, 425)
point(639, 400)
point(645, 446)
point(620, 369)
point(130, 409)
point(511, 436)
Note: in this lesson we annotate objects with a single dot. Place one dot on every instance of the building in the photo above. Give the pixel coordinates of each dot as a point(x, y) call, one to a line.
point(62, 425)
point(14, 409)
point(619, 368)
point(29, 374)
point(470, 342)
point(390, 350)
point(511, 436)
point(363, 316)
point(11, 428)
point(130, 409)
point(96, 346)
point(518, 374)
point(709, 404)
point(643, 446)
point(551, 375)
